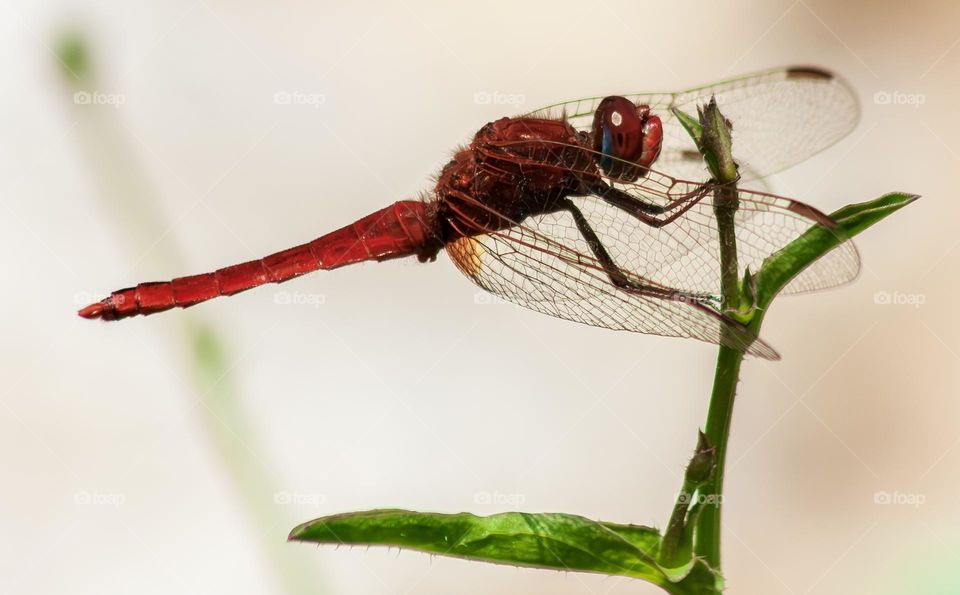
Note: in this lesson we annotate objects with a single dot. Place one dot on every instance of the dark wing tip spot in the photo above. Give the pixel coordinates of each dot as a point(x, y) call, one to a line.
point(809, 72)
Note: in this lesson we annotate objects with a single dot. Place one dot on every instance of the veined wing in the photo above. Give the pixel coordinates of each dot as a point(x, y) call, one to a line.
point(552, 275)
point(780, 117)
point(686, 164)
point(684, 253)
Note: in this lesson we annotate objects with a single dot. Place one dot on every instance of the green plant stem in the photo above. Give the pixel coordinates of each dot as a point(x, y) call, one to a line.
point(726, 376)
point(716, 145)
point(719, 418)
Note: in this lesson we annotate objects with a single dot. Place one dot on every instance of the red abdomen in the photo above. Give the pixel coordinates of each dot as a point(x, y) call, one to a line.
point(405, 228)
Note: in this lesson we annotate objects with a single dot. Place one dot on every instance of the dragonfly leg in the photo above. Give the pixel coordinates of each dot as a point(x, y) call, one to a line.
point(618, 277)
point(645, 211)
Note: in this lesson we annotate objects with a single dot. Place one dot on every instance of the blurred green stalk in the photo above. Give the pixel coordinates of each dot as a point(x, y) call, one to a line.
point(132, 204)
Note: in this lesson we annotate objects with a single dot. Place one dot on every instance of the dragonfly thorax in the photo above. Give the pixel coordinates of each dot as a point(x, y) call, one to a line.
point(514, 168)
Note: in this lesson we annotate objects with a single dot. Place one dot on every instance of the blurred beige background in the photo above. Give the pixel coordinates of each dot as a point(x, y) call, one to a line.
point(393, 385)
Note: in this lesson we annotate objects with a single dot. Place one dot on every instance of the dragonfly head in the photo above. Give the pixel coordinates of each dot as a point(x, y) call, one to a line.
point(627, 132)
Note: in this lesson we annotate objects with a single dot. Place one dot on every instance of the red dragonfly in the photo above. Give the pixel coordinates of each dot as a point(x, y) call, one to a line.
point(560, 210)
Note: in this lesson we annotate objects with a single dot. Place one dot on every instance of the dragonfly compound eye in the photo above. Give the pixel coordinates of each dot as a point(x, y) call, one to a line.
point(624, 132)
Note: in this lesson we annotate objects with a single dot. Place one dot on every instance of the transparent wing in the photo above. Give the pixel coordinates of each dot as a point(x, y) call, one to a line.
point(554, 276)
point(684, 253)
point(686, 164)
point(780, 117)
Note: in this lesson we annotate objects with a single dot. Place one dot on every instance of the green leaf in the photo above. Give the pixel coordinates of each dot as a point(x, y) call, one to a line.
point(690, 124)
point(782, 266)
point(550, 540)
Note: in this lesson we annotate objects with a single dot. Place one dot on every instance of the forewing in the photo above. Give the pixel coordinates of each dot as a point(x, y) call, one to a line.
point(545, 265)
point(680, 248)
point(687, 164)
point(780, 117)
